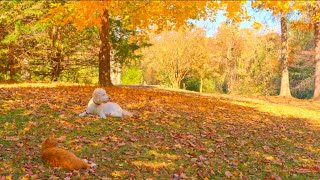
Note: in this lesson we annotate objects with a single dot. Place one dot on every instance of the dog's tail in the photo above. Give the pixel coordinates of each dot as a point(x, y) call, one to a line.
point(127, 113)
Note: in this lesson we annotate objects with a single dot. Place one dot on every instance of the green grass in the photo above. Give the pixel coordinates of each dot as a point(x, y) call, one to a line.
point(202, 137)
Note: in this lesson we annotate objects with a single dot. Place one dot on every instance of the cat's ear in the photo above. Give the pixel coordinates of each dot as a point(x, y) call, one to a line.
point(61, 138)
point(53, 133)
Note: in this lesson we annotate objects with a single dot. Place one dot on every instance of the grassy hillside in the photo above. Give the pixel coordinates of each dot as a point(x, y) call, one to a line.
point(173, 133)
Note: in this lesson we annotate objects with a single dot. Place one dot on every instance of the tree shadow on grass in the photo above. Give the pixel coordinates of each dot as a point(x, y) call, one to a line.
point(260, 144)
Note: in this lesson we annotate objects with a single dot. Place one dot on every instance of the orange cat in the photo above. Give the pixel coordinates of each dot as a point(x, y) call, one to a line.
point(57, 157)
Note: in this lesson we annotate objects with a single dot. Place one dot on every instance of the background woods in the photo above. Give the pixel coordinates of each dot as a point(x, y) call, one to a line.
point(159, 43)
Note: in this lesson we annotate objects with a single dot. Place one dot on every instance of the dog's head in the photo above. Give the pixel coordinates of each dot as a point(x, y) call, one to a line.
point(99, 96)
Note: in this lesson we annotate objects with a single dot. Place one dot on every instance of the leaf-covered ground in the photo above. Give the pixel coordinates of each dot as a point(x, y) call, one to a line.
point(173, 134)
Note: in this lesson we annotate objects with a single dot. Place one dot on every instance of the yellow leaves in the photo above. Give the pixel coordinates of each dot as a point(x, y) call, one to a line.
point(118, 174)
point(150, 164)
point(6, 107)
point(278, 7)
point(27, 112)
point(9, 177)
point(269, 157)
point(257, 25)
point(95, 144)
point(305, 160)
point(275, 6)
point(162, 155)
point(77, 107)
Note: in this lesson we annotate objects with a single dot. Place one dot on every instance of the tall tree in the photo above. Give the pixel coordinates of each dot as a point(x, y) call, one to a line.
point(229, 39)
point(175, 54)
point(316, 17)
point(247, 60)
point(281, 9)
point(285, 85)
point(310, 21)
point(142, 15)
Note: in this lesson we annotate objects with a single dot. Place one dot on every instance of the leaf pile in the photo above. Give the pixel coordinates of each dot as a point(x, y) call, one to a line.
point(172, 135)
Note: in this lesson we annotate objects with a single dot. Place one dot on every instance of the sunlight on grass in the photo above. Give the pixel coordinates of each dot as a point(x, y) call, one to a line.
point(305, 160)
point(162, 155)
point(118, 174)
point(282, 110)
point(63, 123)
point(151, 164)
point(6, 106)
point(314, 150)
point(268, 157)
point(174, 124)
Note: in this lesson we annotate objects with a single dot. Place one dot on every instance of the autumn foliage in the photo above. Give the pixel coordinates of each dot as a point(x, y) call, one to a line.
point(53, 55)
point(98, 41)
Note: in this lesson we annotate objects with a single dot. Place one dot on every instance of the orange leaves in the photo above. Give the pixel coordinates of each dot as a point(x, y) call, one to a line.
point(140, 14)
point(235, 10)
point(144, 14)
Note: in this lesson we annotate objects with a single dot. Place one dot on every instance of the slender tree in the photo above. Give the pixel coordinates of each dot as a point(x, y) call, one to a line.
point(310, 21)
point(316, 94)
point(281, 9)
point(285, 85)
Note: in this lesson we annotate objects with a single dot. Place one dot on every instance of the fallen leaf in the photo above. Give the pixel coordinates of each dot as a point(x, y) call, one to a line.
point(228, 174)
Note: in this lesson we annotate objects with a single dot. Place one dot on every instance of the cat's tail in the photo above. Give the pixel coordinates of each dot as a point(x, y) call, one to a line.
point(127, 113)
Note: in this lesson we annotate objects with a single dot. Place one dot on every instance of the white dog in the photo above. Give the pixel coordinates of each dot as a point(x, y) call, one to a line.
point(99, 104)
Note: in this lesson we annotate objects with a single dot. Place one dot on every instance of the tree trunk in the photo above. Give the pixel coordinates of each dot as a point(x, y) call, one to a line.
point(201, 85)
point(104, 53)
point(316, 95)
point(2, 32)
point(57, 57)
point(56, 70)
point(285, 86)
point(232, 74)
point(12, 62)
point(176, 84)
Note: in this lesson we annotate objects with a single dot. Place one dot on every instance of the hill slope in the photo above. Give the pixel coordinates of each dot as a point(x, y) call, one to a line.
point(173, 133)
